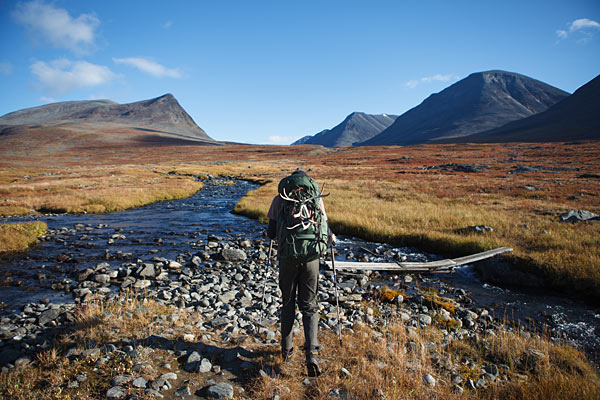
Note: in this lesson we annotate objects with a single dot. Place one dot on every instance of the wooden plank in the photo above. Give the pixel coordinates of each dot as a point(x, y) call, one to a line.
point(481, 256)
point(430, 266)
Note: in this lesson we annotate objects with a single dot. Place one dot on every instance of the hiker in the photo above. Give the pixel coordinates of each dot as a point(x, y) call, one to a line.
point(297, 219)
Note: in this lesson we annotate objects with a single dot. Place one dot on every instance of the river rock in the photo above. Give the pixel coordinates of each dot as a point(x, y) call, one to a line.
point(116, 392)
point(142, 284)
point(221, 390)
point(578, 215)
point(233, 255)
point(139, 383)
point(102, 278)
point(146, 271)
point(48, 316)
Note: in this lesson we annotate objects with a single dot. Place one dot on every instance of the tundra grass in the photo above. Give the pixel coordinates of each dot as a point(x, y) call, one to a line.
point(401, 195)
point(15, 237)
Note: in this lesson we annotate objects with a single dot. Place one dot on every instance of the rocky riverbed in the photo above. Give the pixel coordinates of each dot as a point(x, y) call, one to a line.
point(209, 268)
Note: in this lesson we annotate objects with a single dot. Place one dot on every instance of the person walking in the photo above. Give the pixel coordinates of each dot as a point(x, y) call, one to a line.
point(298, 221)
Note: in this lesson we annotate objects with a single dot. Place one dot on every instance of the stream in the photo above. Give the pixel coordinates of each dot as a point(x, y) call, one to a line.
point(176, 230)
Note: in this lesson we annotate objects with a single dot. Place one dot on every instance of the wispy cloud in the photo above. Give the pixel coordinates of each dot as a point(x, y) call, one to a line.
point(149, 66)
point(582, 25)
point(46, 99)
point(6, 68)
point(426, 79)
point(282, 139)
point(62, 75)
point(57, 26)
point(167, 24)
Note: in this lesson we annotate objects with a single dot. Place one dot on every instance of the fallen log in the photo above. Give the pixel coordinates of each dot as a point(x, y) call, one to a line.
point(446, 265)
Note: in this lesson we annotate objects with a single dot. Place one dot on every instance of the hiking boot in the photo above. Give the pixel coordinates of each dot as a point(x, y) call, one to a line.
point(312, 363)
point(287, 355)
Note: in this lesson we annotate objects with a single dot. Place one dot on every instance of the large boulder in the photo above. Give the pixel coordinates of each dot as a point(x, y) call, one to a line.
point(579, 215)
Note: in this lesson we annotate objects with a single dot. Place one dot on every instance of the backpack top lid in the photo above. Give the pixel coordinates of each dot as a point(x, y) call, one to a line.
point(298, 179)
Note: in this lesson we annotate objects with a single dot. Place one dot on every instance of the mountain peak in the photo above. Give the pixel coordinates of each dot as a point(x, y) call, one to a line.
point(162, 114)
point(481, 101)
point(356, 127)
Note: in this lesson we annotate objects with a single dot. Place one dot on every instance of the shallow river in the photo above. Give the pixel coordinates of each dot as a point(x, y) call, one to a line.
point(179, 228)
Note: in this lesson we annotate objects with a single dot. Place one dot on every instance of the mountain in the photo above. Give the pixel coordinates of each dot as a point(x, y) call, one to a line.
point(481, 101)
point(357, 127)
point(162, 116)
point(576, 117)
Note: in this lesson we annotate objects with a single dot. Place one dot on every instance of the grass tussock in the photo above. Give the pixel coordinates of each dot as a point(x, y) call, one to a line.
point(393, 363)
point(16, 237)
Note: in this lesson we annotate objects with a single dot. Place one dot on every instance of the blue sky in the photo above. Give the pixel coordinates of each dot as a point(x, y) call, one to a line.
point(271, 72)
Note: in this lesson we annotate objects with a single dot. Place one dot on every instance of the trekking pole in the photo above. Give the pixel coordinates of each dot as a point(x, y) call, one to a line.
point(337, 302)
point(262, 310)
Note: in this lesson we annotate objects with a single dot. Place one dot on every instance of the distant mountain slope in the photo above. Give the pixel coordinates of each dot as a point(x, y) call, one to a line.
point(356, 127)
point(161, 115)
point(577, 117)
point(481, 101)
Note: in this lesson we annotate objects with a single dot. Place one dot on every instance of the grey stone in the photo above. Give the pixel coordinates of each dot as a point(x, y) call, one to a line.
point(233, 255)
point(139, 383)
point(22, 362)
point(221, 390)
point(121, 380)
point(116, 392)
point(183, 391)
point(102, 278)
point(48, 316)
point(204, 366)
point(425, 319)
point(338, 394)
point(147, 271)
point(578, 215)
point(429, 380)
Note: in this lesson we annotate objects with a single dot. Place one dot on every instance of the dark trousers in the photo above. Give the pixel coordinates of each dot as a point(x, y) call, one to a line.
point(299, 281)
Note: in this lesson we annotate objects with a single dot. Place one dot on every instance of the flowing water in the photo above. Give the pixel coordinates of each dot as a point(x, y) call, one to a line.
point(179, 228)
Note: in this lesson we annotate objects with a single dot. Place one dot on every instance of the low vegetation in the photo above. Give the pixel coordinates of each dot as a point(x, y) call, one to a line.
point(15, 237)
point(416, 196)
point(390, 361)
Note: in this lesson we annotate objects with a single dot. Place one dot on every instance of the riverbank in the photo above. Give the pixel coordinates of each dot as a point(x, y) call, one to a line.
point(194, 328)
point(17, 237)
point(422, 196)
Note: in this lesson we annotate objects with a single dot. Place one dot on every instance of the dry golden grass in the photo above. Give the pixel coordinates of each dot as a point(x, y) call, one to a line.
point(530, 367)
point(91, 189)
point(381, 361)
point(16, 237)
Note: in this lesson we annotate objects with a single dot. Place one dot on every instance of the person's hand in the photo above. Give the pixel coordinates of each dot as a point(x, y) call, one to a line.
point(333, 239)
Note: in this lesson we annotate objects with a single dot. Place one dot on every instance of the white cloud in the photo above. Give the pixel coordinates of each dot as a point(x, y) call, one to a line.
point(62, 75)
point(426, 79)
point(583, 25)
point(56, 26)
point(47, 100)
point(282, 139)
point(167, 24)
point(149, 66)
point(6, 68)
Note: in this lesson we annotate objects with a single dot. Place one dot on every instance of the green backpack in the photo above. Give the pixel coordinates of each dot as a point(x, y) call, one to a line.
point(302, 227)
